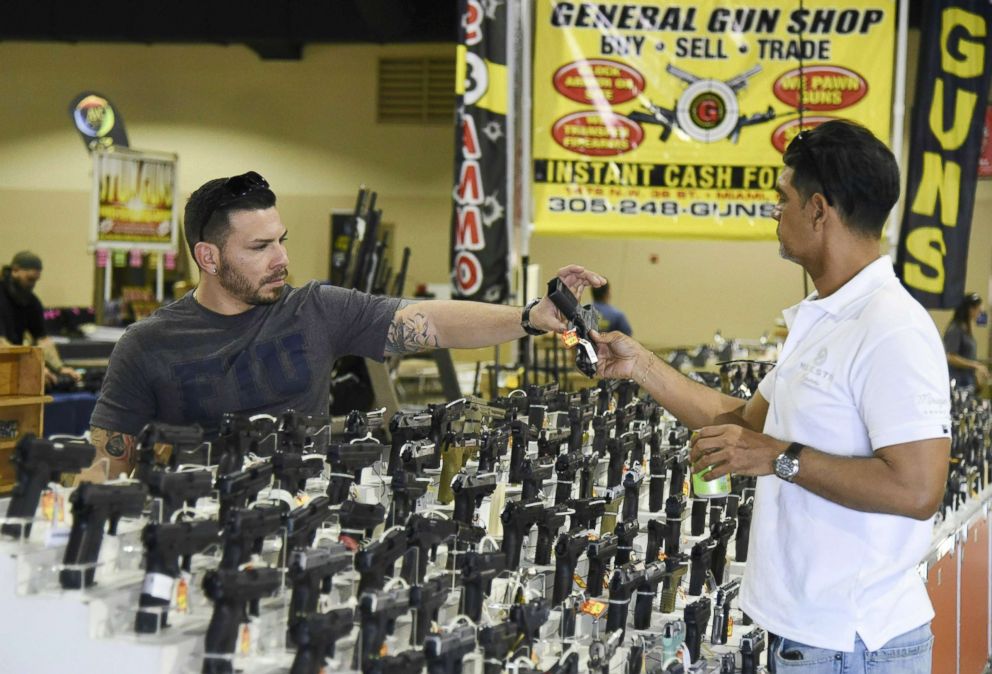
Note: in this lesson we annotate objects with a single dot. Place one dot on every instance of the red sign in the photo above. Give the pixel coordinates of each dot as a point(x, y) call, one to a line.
point(985, 156)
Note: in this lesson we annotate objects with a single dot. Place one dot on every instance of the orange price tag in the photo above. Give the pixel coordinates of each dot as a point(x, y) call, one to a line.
point(593, 608)
point(182, 595)
point(569, 338)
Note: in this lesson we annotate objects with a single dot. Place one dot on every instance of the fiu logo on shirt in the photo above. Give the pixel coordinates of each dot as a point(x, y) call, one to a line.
point(813, 372)
point(278, 366)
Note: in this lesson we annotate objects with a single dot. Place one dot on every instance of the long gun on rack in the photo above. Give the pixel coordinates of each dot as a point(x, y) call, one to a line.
point(39, 462)
point(342, 252)
point(363, 259)
point(93, 506)
point(167, 548)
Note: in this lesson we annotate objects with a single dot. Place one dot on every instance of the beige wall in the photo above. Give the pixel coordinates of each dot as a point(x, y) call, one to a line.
point(309, 127)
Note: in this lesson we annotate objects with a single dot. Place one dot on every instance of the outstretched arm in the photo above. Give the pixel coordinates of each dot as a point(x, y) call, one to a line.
point(432, 324)
point(692, 403)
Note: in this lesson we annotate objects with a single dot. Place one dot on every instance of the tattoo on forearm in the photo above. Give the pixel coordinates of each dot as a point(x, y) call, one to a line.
point(409, 334)
point(116, 446)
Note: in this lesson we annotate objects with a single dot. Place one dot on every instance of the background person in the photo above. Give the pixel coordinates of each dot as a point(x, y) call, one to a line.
point(610, 318)
point(22, 316)
point(960, 344)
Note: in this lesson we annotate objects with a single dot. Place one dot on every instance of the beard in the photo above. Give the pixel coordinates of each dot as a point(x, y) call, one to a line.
point(241, 287)
point(17, 293)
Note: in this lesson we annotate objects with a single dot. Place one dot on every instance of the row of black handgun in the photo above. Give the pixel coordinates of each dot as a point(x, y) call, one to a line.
point(287, 451)
point(971, 448)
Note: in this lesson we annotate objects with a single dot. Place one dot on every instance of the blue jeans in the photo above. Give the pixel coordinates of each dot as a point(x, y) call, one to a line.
point(907, 653)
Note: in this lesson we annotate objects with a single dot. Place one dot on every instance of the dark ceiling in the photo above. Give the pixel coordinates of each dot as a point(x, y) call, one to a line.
point(273, 28)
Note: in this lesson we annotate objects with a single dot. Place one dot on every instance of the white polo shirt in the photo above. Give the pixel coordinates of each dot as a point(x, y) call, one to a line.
point(861, 369)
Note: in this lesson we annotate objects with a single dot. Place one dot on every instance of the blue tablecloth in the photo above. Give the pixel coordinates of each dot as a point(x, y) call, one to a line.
point(69, 413)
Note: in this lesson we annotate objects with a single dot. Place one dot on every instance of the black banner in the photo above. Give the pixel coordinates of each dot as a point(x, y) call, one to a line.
point(480, 266)
point(946, 137)
point(99, 123)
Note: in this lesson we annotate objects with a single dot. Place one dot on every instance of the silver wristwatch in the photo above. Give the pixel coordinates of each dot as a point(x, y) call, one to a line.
point(787, 463)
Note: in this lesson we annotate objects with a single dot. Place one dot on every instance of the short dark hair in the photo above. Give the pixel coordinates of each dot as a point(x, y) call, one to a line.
point(852, 168)
point(208, 208)
point(599, 294)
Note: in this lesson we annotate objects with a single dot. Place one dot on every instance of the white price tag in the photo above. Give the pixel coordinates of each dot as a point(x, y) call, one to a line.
point(158, 585)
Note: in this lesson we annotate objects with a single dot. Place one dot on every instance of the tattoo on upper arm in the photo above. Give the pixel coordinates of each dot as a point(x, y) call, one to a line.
point(410, 334)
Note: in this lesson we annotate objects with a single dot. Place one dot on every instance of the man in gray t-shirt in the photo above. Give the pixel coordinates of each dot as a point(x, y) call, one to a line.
point(245, 342)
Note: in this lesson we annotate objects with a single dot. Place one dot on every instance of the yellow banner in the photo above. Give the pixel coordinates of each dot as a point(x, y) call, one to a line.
point(669, 119)
point(134, 200)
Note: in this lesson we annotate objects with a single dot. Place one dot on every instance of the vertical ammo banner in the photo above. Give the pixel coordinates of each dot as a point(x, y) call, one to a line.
point(479, 232)
point(945, 141)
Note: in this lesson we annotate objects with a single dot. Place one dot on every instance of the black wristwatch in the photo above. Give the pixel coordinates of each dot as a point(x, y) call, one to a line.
point(525, 319)
point(787, 463)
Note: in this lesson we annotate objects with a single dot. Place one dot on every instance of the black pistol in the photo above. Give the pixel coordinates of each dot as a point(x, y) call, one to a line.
point(38, 462)
point(377, 560)
point(469, 491)
point(93, 506)
point(244, 531)
point(568, 548)
point(234, 594)
point(186, 442)
point(478, 571)
point(600, 552)
point(701, 559)
point(176, 490)
point(406, 489)
point(348, 460)
point(625, 580)
point(445, 652)
point(235, 489)
point(518, 517)
point(302, 523)
point(379, 610)
point(167, 547)
point(697, 615)
point(550, 522)
point(311, 572)
point(654, 573)
point(752, 645)
point(427, 598)
point(315, 636)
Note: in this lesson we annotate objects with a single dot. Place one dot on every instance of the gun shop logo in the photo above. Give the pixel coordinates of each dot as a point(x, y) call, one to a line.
point(94, 116)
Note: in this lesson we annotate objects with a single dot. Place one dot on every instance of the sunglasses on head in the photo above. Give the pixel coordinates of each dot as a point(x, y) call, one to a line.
point(236, 187)
point(800, 141)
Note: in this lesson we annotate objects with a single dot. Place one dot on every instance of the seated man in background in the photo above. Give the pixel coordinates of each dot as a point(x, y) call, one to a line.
point(21, 313)
point(610, 318)
point(246, 342)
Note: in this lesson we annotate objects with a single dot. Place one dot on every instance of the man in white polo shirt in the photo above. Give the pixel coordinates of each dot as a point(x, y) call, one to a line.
point(849, 434)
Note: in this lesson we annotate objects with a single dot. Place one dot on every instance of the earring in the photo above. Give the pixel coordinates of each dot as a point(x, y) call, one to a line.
point(214, 270)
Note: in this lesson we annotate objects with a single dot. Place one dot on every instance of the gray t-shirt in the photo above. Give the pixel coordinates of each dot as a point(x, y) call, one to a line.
point(958, 341)
point(185, 364)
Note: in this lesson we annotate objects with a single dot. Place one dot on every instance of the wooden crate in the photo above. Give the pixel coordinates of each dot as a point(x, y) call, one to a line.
point(22, 400)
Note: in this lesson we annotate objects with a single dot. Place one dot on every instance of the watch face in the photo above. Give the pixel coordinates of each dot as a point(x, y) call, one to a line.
point(786, 467)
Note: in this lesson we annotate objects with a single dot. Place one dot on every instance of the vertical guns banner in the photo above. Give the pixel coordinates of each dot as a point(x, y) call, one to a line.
point(480, 267)
point(669, 119)
point(134, 200)
point(945, 141)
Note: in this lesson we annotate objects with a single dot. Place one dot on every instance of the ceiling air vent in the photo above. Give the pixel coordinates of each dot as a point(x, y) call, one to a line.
point(416, 90)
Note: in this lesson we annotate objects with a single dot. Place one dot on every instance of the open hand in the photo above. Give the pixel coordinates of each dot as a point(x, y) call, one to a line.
point(620, 356)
